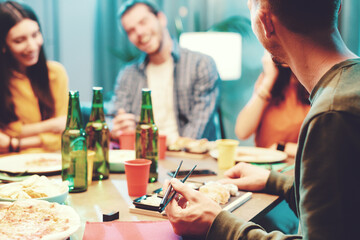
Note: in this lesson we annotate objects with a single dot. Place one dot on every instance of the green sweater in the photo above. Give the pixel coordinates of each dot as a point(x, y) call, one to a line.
point(326, 167)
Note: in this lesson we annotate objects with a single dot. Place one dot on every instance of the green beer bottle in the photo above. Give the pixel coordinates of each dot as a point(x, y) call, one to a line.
point(73, 147)
point(146, 143)
point(98, 136)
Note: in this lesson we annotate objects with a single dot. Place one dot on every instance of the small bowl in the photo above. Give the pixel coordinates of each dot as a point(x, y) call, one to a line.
point(117, 159)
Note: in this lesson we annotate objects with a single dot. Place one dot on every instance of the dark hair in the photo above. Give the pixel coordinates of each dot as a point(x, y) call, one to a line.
point(306, 16)
point(280, 86)
point(127, 5)
point(12, 13)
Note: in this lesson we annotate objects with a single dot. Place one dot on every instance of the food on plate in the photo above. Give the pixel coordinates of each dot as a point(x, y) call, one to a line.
point(232, 188)
point(33, 187)
point(37, 219)
point(43, 162)
point(152, 200)
point(191, 145)
point(197, 146)
point(218, 192)
point(179, 144)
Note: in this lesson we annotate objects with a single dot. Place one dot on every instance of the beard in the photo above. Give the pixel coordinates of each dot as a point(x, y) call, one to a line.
point(275, 50)
point(279, 62)
point(277, 55)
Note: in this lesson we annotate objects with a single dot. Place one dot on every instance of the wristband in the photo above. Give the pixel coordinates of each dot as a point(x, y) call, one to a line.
point(280, 146)
point(11, 148)
point(17, 149)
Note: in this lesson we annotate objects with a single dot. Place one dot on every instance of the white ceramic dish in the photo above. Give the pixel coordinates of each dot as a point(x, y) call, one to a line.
point(61, 198)
point(255, 155)
point(117, 159)
point(31, 163)
point(63, 210)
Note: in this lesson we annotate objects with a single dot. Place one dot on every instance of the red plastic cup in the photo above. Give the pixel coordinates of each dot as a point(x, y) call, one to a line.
point(137, 176)
point(127, 141)
point(162, 146)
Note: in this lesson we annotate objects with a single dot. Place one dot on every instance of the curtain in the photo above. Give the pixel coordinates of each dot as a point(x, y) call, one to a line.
point(349, 26)
point(106, 41)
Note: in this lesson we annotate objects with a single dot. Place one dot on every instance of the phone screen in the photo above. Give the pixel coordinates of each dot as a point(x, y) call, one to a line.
point(204, 172)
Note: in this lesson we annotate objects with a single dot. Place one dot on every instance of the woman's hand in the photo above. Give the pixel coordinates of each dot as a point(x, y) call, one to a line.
point(52, 125)
point(56, 124)
point(270, 72)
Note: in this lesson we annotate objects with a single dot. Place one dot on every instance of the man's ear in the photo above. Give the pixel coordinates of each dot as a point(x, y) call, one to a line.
point(267, 23)
point(162, 18)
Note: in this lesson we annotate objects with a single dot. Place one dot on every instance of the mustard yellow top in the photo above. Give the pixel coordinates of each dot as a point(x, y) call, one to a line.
point(282, 123)
point(27, 107)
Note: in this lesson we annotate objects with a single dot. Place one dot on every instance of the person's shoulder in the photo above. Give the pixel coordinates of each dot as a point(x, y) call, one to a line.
point(352, 66)
point(55, 67)
point(338, 90)
point(186, 51)
point(56, 70)
point(195, 56)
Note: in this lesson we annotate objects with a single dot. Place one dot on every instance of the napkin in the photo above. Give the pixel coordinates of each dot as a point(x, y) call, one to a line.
point(160, 230)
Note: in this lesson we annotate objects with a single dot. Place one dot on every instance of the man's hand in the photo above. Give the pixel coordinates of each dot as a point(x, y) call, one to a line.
point(193, 213)
point(122, 122)
point(247, 177)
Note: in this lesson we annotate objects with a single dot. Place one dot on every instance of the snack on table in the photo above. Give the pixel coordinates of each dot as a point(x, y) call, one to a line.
point(197, 146)
point(218, 192)
point(153, 200)
point(37, 219)
point(179, 144)
point(191, 145)
point(33, 187)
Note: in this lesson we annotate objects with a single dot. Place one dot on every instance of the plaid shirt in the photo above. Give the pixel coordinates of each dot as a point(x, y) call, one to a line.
point(196, 91)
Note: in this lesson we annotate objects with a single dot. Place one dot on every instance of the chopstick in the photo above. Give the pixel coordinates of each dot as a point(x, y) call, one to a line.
point(169, 188)
point(174, 192)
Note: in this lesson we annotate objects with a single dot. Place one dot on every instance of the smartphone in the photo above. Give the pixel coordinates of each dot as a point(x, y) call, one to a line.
point(203, 172)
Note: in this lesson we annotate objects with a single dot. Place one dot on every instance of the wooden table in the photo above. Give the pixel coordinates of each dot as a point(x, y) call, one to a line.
point(103, 197)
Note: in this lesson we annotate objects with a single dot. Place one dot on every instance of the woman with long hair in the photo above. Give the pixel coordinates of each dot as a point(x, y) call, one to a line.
point(276, 110)
point(33, 91)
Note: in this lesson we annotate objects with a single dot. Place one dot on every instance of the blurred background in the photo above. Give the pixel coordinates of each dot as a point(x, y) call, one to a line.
point(84, 36)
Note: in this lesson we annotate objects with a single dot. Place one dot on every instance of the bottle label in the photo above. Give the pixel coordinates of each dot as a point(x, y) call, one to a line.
point(78, 144)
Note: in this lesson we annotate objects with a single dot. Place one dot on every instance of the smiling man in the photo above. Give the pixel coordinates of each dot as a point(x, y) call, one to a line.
point(184, 84)
point(304, 35)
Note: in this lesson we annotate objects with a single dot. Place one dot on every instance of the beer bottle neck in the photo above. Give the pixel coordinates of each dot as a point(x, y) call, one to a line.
point(74, 117)
point(146, 115)
point(97, 109)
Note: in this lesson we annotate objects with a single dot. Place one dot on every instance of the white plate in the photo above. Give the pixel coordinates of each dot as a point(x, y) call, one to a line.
point(63, 211)
point(29, 163)
point(55, 189)
point(255, 155)
point(118, 157)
